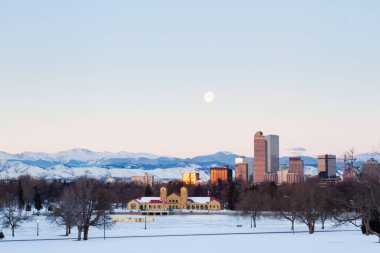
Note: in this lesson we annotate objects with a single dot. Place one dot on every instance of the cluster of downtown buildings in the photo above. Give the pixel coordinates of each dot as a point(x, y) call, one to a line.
point(265, 166)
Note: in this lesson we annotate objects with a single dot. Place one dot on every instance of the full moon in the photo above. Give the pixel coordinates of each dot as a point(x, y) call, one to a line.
point(209, 97)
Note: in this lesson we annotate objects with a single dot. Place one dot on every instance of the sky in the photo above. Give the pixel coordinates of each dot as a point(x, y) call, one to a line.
point(130, 75)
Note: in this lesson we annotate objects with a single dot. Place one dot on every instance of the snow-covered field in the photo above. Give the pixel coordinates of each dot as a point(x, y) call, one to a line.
point(195, 225)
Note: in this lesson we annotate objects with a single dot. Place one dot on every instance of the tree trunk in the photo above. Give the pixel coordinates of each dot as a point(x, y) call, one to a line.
point(366, 226)
point(254, 220)
point(311, 228)
point(79, 233)
point(292, 228)
point(13, 231)
point(85, 232)
point(323, 223)
point(67, 231)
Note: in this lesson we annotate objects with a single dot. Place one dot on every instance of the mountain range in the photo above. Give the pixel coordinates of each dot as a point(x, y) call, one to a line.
point(73, 163)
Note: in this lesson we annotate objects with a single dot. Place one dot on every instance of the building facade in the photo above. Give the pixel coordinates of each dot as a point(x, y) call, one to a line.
point(143, 180)
point(296, 170)
point(271, 177)
point(327, 166)
point(260, 161)
point(266, 157)
point(222, 174)
point(282, 175)
point(241, 172)
point(272, 153)
point(248, 162)
point(167, 203)
point(190, 177)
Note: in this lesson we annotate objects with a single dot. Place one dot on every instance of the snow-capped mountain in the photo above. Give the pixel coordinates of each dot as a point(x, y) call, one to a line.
point(77, 162)
point(72, 155)
point(73, 163)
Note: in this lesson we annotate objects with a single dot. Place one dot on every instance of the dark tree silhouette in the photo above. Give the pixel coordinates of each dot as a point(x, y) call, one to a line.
point(37, 199)
point(20, 195)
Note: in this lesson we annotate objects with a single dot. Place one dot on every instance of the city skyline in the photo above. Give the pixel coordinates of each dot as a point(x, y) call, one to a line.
point(132, 76)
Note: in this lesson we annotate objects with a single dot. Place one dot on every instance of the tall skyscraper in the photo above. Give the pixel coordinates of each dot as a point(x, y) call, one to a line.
point(260, 161)
point(327, 166)
point(273, 153)
point(267, 158)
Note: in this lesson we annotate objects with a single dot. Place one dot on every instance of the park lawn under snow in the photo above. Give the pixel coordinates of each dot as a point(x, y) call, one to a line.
point(337, 241)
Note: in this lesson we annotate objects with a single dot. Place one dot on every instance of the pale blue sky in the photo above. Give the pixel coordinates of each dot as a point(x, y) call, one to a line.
point(130, 75)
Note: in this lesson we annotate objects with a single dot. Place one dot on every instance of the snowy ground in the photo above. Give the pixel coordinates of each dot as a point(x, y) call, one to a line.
point(195, 225)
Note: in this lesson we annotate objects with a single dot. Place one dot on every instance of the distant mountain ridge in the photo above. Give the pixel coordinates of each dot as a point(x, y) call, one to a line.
point(76, 162)
point(78, 154)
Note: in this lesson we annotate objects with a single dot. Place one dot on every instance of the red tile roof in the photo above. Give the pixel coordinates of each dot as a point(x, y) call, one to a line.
point(156, 201)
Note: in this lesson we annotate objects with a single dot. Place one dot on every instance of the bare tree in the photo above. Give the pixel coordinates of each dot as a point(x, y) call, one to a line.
point(362, 200)
point(93, 204)
point(66, 214)
point(327, 199)
point(350, 169)
point(10, 215)
point(287, 205)
point(253, 202)
point(307, 200)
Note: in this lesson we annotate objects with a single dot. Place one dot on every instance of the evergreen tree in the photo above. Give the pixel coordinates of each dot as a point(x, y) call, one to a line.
point(20, 195)
point(198, 191)
point(148, 191)
point(232, 196)
point(37, 199)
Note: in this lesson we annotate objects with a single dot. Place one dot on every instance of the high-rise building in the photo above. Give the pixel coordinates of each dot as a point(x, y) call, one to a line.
point(244, 169)
point(190, 177)
point(273, 153)
point(260, 161)
point(296, 170)
point(296, 165)
point(144, 180)
point(241, 172)
point(327, 166)
point(222, 174)
point(267, 158)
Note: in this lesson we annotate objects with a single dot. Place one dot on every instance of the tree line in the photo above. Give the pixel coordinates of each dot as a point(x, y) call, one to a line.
point(87, 202)
point(355, 201)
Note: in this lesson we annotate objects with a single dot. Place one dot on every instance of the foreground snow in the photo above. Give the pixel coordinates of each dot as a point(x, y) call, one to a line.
point(299, 243)
point(195, 226)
